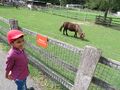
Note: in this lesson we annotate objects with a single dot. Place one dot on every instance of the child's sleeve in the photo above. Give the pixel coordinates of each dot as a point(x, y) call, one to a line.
point(10, 63)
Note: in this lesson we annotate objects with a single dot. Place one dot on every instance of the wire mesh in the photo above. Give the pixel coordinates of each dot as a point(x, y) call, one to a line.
point(108, 75)
point(61, 60)
point(3, 28)
point(78, 14)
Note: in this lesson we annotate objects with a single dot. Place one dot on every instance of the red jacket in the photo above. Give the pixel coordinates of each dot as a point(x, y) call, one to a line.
point(17, 63)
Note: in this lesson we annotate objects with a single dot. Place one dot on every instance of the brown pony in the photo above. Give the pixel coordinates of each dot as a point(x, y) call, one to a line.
point(72, 27)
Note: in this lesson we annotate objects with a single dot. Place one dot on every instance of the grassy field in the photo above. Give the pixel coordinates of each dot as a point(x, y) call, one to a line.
point(83, 15)
point(79, 14)
point(101, 37)
point(105, 38)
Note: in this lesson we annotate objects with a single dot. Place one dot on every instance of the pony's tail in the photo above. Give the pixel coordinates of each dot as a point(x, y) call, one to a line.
point(61, 28)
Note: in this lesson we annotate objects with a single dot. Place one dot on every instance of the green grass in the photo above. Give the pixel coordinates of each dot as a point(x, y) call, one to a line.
point(45, 82)
point(101, 37)
point(105, 38)
point(4, 25)
point(79, 14)
point(70, 76)
point(109, 75)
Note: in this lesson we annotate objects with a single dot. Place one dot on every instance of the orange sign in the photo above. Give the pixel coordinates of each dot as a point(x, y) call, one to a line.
point(41, 41)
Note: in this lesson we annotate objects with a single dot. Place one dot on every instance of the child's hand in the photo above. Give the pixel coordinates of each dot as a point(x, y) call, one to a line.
point(9, 77)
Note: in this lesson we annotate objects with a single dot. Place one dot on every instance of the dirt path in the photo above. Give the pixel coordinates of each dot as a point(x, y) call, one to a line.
point(10, 85)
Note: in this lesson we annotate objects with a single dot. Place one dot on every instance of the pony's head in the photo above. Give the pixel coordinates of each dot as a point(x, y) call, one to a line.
point(82, 35)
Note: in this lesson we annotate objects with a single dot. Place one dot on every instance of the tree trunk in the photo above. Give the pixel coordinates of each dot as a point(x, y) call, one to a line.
point(107, 9)
point(106, 13)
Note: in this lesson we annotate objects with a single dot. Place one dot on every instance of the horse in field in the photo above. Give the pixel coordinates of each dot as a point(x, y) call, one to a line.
point(73, 28)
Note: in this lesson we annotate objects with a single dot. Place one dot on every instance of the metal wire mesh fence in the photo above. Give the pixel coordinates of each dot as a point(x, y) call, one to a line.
point(108, 74)
point(61, 60)
point(56, 56)
point(78, 14)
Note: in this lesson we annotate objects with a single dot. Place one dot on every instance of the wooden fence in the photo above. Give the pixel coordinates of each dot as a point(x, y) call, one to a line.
point(73, 67)
point(103, 21)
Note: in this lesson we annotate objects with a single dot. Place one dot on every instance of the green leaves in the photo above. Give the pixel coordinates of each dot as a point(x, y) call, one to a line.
point(103, 4)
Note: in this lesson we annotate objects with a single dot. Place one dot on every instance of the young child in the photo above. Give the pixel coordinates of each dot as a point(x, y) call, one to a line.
point(17, 62)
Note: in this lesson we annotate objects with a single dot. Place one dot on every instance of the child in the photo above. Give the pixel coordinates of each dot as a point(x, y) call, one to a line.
point(17, 62)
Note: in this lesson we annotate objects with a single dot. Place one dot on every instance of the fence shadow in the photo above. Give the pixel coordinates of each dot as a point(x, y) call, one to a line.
point(116, 27)
point(86, 40)
point(113, 26)
point(77, 38)
point(6, 6)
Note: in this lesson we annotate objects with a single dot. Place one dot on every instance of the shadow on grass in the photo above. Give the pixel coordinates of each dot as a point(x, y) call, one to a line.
point(116, 27)
point(6, 6)
point(77, 38)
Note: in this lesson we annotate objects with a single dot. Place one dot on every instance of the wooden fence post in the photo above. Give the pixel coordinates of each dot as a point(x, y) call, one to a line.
point(14, 24)
point(89, 60)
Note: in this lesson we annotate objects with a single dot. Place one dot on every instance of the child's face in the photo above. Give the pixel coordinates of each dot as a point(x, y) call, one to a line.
point(18, 43)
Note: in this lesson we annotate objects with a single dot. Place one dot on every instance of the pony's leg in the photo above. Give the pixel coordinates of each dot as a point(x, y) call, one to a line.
point(63, 31)
point(75, 34)
point(66, 32)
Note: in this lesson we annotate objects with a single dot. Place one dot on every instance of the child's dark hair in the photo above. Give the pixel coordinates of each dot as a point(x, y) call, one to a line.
point(16, 39)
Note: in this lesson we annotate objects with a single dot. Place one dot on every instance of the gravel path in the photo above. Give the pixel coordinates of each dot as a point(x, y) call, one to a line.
point(10, 85)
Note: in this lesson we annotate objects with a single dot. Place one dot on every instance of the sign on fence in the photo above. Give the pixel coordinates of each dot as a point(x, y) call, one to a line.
point(41, 41)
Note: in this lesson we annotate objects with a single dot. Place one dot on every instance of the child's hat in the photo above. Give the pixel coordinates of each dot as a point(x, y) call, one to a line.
point(14, 34)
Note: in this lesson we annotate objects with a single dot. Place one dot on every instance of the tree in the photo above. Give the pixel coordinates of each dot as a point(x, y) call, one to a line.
point(53, 1)
point(63, 2)
point(50, 1)
point(106, 5)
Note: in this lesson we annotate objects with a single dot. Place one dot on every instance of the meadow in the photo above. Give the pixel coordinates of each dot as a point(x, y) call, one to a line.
point(104, 38)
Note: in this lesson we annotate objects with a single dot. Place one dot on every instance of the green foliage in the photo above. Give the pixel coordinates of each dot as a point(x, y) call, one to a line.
point(63, 2)
point(103, 4)
point(53, 1)
point(106, 5)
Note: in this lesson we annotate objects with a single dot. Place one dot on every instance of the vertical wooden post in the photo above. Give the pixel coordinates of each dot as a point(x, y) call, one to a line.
point(89, 60)
point(13, 24)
